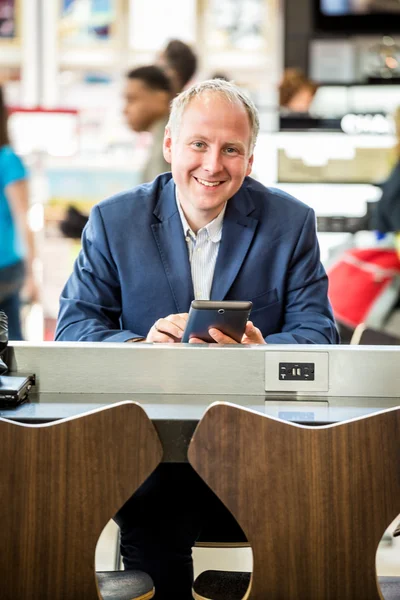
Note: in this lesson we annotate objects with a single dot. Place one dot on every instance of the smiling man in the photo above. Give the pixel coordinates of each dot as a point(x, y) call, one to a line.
point(206, 231)
point(209, 164)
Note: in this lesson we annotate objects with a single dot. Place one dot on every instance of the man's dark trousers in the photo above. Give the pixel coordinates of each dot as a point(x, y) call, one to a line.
point(162, 521)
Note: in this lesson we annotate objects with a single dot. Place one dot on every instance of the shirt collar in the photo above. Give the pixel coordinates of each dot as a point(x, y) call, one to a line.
point(214, 228)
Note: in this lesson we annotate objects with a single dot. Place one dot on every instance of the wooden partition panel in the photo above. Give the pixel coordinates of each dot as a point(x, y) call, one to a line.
point(313, 501)
point(60, 483)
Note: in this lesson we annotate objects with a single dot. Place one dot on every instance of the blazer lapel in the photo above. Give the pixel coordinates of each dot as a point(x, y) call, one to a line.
point(170, 240)
point(237, 234)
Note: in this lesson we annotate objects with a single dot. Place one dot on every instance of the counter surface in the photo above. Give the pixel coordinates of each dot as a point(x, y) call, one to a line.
point(175, 416)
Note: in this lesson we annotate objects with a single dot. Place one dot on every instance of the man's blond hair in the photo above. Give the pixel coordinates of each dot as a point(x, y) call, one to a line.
point(231, 92)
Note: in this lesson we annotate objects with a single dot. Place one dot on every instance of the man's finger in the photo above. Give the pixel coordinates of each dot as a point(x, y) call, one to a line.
point(220, 337)
point(252, 335)
point(168, 327)
point(178, 320)
point(194, 340)
point(163, 338)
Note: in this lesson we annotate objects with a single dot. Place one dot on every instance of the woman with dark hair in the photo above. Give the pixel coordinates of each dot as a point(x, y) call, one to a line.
point(16, 238)
point(179, 63)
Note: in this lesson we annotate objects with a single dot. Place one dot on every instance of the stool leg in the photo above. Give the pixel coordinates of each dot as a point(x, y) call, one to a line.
point(117, 564)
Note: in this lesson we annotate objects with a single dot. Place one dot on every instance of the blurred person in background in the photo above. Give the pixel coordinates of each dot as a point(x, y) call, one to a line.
point(148, 93)
point(16, 237)
point(220, 75)
point(179, 62)
point(296, 91)
point(3, 340)
point(370, 275)
point(386, 213)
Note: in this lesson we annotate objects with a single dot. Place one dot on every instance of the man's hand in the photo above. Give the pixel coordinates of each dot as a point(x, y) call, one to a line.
point(168, 330)
point(252, 335)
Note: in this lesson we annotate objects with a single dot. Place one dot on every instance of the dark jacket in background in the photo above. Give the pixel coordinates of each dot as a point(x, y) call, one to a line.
point(386, 216)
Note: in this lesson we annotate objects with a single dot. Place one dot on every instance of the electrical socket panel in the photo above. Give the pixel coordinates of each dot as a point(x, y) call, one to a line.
point(288, 371)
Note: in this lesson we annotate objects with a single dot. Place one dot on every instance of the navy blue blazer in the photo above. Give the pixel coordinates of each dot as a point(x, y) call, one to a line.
point(134, 268)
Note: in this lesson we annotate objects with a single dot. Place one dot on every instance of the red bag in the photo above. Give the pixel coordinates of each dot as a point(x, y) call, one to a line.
point(364, 286)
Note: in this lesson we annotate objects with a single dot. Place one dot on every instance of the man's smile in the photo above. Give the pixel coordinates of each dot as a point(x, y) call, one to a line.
point(208, 183)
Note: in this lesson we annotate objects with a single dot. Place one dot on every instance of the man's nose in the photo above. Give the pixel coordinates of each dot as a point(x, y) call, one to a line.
point(212, 161)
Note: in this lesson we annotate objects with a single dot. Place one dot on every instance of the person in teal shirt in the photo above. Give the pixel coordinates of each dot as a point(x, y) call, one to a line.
point(16, 238)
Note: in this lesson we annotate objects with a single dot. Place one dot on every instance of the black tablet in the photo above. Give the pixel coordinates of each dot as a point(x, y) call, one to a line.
point(230, 317)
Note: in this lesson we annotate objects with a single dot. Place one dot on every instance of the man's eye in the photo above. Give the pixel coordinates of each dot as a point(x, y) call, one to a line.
point(231, 150)
point(198, 145)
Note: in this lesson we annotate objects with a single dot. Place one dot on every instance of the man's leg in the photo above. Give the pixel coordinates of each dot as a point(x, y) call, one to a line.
point(162, 521)
point(159, 526)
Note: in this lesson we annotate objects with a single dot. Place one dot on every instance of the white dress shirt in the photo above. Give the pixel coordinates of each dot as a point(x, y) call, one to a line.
point(203, 251)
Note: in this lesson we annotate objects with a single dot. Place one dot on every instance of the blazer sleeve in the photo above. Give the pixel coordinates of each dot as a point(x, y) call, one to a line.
point(308, 317)
point(90, 303)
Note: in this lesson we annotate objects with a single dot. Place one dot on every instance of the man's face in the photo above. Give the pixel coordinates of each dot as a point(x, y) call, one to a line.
point(143, 106)
point(209, 155)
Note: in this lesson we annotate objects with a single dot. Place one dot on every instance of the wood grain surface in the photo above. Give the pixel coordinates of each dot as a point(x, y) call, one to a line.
point(313, 501)
point(60, 483)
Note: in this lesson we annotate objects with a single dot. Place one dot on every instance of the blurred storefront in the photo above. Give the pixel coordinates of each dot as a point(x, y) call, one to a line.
point(63, 65)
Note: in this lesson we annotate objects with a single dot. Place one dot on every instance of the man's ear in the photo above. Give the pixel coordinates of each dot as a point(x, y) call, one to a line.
point(167, 145)
point(249, 165)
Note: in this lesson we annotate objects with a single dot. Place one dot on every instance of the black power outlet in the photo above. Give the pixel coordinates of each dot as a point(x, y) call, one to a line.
point(296, 371)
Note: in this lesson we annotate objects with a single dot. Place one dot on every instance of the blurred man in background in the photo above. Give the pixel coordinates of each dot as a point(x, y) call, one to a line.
point(148, 93)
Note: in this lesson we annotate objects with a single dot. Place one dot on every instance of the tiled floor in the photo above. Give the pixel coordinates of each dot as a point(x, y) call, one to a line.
point(388, 555)
point(106, 548)
point(240, 559)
